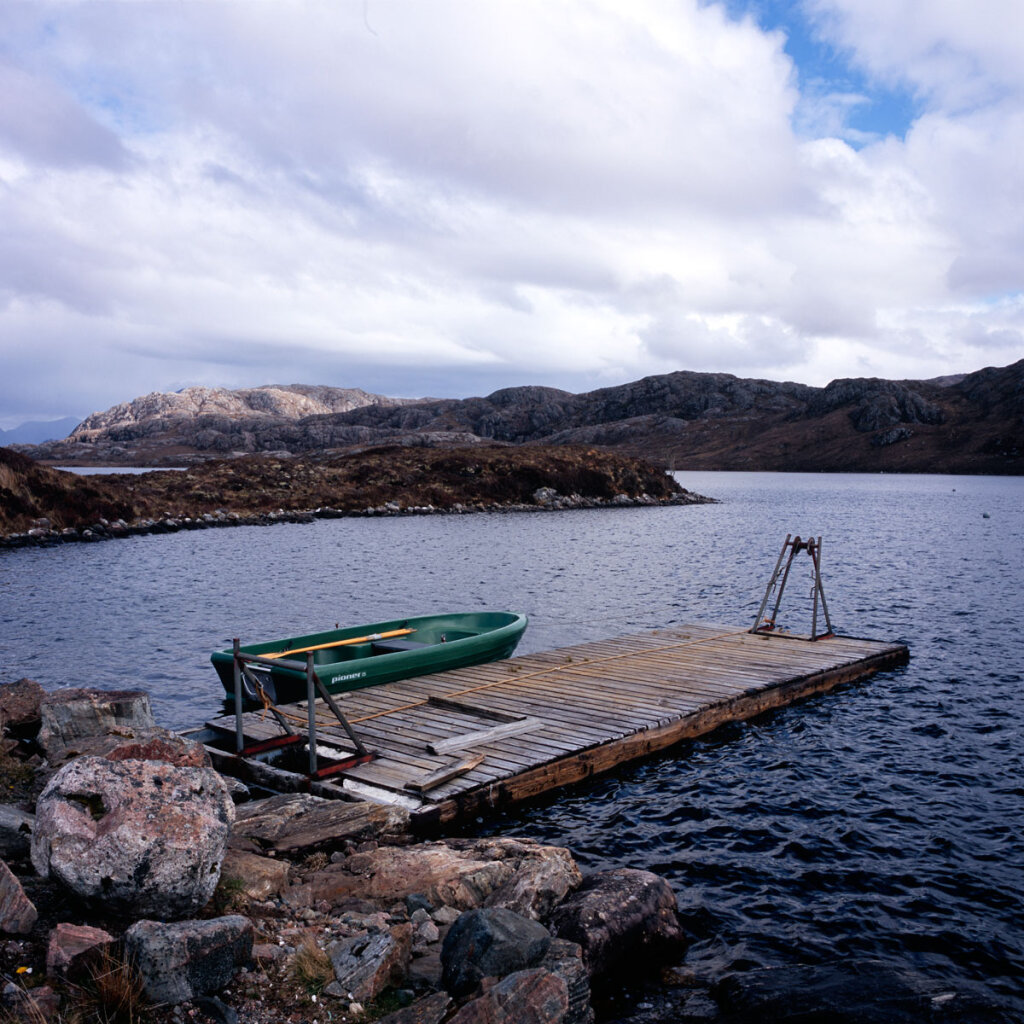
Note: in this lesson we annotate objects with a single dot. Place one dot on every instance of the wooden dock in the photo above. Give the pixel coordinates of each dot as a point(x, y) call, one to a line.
point(451, 744)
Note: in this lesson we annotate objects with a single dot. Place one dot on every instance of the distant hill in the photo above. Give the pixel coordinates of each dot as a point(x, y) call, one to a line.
point(971, 423)
point(37, 431)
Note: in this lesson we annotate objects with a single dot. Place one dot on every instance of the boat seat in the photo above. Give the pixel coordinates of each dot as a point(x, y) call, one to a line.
point(398, 644)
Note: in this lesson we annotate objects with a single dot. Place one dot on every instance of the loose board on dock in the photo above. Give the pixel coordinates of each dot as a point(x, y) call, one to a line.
point(450, 744)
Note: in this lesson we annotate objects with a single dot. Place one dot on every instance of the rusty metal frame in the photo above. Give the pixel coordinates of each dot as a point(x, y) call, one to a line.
point(777, 582)
point(313, 686)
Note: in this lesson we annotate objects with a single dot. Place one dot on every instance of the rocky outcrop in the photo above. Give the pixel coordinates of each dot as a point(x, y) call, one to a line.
point(851, 992)
point(159, 412)
point(69, 716)
point(617, 916)
point(526, 997)
point(143, 838)
point(453, 873)
point(48, 507)
point(970, 423)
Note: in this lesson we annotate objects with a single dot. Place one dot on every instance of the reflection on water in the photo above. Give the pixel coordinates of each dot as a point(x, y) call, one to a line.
point(883, 819)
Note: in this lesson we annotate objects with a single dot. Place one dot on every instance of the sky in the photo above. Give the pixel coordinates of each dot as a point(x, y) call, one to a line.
point(437, 198)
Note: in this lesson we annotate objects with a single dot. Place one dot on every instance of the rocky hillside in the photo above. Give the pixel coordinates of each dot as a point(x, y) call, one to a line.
point(42, 503)
point(968, 424)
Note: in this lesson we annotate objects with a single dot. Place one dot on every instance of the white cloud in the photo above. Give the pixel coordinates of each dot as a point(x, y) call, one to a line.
point(461, 196)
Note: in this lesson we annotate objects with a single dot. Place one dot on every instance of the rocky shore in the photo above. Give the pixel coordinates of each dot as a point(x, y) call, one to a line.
point(45, 507)
point(137, 884)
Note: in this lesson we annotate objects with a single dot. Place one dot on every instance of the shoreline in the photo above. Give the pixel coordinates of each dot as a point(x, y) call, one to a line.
point(45, 536)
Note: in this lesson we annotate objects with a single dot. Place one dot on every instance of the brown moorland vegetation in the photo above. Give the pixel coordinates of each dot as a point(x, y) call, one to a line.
point(442, 478)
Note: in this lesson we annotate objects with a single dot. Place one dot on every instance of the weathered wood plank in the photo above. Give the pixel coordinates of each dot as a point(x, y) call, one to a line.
point(554, 717)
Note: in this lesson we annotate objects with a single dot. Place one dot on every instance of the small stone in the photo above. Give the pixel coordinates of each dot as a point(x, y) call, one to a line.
point(17, 912)
point(68, 942)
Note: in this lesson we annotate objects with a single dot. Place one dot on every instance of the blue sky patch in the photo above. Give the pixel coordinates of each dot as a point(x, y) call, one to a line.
point(838, 97)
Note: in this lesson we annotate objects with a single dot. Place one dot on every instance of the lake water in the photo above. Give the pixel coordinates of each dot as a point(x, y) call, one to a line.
point(884, 819)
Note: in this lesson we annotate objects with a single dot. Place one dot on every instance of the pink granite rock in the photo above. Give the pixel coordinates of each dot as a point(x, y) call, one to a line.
point(69, 941)
point(17, 913)
point(143, 838)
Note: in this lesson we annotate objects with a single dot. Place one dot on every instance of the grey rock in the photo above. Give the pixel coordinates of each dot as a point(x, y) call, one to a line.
point(143, 838)
point(539, 884)
point(364, 965)
point(524, 997)
point(186, 959)
point(618, 916)
point(852, 992)
point(15, 832)
point(301, 823)
point(70, 715)
point(565, 960)
point(490, 942)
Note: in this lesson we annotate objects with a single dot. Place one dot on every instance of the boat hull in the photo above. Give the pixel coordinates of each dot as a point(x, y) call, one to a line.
point(424, 644)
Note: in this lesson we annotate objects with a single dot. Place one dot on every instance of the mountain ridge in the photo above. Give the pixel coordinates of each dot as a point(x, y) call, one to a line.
point(964, 423)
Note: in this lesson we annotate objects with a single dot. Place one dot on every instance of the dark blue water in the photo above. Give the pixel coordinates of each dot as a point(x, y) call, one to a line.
point(884, 819)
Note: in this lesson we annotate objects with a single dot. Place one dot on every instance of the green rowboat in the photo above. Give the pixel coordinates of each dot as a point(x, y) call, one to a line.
point(357, 656)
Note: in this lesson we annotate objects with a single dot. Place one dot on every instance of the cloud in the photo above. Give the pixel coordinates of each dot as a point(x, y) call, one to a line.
point(957, 56)
point(48, 128)
point(449, 198)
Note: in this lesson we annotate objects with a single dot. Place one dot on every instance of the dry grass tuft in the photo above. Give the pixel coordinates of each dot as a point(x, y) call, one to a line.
point(316, 861)
point(114, 993)
point(311, 967)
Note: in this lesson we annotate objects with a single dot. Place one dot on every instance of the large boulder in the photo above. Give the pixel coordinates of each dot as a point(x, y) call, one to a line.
point(142, 838)
point(297, 824)
point(525, 997)
point(185, 959)
point(855, 991)
point(617, 916)
point(69, 716)
point(454, 873)
point(541, 881)
point(490, 943)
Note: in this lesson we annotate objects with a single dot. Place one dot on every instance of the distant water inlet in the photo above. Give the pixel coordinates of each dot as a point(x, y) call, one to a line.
point(883, 819)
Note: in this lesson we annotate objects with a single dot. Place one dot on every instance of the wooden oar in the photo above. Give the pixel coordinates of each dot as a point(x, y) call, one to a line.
point(340, 643)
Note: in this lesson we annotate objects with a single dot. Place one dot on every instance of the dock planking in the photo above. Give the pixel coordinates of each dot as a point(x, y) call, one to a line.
point(452, 744)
